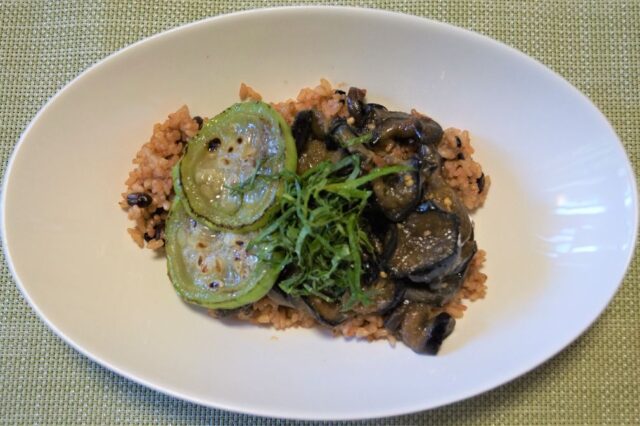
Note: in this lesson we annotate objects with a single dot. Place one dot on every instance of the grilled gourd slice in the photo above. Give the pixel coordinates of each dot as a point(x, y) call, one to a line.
point(213, 268)
point(230, 172)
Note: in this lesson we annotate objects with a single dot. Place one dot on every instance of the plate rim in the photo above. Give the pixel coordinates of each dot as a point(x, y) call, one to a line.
point(273, 413)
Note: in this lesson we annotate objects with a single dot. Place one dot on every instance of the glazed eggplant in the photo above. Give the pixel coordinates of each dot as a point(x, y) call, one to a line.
point(424, 334)
point(356, 105)
point(398, 194)
point(341, 133)
point(326, 313)
point(391, 124)
point(456, 267)
point(417, 327)
point(386, 295)
point(425, 241)
point(307, 125)
point(439, 292)
point(312, 143)
point(279, 297)
point(439, 195)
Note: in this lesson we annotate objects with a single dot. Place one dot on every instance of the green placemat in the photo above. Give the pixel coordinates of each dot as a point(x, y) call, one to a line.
point(593, 44)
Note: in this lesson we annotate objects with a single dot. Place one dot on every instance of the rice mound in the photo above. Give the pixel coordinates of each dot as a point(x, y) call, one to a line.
point(152, 175)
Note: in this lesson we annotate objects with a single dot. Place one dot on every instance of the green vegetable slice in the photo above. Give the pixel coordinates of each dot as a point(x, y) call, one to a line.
point(213, 268)
point(230, 172)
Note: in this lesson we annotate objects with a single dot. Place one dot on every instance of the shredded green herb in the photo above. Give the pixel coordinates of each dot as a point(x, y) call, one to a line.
point(249, 184)
point(358, 140)
point(317, 235)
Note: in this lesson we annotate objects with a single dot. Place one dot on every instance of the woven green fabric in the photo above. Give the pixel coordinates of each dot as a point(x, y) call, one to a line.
point(594, 44)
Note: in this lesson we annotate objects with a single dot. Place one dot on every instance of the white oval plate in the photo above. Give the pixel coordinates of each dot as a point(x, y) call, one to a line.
point(559, 225)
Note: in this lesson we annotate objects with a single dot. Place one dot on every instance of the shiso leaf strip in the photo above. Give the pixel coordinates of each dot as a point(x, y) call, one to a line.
point(317, 237)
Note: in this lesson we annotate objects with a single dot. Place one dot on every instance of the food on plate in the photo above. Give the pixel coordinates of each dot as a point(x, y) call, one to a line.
point(326, 210)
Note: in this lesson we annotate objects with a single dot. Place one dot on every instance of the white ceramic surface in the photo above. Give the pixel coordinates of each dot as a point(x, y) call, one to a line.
point(559, 225)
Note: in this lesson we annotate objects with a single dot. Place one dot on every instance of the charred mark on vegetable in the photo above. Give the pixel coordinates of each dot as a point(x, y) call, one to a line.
point(239, 140)
point(458, 142)
point(140, 199)
point(214, 144)
point(460, 156)
point(199, 121)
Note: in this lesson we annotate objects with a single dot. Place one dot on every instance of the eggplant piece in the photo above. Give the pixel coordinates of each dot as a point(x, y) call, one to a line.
point(372, 109)
point(312, 144)
point(402, 126)
point(279, 297)
point(431, 132)
point(455, 268)
point(301, 129)
point(391, 124)
point(414, 324)
point(441, 196)
point(341, 133)
point(425, 241)
point(316, 152)
point(356, 105)
point(440, 292)
point(228, 313)
point(393, 319)
point(387, 294)
point(437, 293)
point(399, 193)
point(307, 125)
point(326, 313)
point(382, 232)
point(425, 295)
point(425, 335)
point(430, 160)
point(395, 125)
